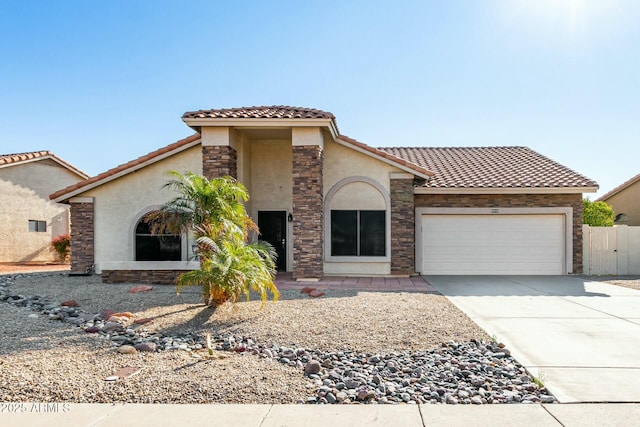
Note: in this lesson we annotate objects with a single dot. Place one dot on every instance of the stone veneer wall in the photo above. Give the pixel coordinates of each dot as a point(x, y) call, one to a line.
point(82, 237)
point(307, 212)
point(159, 277)
point(403, 230)
point(219, 161)
point(514, 201)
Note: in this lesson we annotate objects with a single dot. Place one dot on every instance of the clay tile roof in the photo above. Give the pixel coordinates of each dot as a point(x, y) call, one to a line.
point(491, 167)
point(263, 112)
point(11, 159)
point(388, 155)
point(124, 167)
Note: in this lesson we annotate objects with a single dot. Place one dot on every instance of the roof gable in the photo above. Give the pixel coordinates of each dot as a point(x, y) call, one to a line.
point(619, 188)
point(499, 168)
point(124, 169)
point(7, 160)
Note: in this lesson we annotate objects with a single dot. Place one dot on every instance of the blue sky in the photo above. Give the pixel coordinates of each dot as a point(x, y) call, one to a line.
point(101, 83)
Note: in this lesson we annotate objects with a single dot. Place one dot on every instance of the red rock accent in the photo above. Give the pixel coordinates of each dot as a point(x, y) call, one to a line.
point(306, 290)
point(71, 303)
point(143, 321)
point(514, 201)
point(316, 293)
point(307, 212)
point(141, 288)
point(218, 161)
point(402, 227)
point(82, 237)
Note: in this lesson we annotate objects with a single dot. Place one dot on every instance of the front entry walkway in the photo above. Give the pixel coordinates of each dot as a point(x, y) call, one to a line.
point(581, 338)
point(389, 284)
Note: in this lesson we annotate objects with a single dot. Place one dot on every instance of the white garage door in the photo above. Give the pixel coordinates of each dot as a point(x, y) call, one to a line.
point(493, 244)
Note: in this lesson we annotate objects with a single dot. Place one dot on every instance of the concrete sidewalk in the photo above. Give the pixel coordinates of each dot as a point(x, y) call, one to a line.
point(580, 337)
point(123, 415)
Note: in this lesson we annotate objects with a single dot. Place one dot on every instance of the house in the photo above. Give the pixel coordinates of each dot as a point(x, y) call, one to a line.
point(332, 205)
point(28, 219)
point(625, 200)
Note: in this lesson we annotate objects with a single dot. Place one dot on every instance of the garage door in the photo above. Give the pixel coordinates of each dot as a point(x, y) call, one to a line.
point(493, 244)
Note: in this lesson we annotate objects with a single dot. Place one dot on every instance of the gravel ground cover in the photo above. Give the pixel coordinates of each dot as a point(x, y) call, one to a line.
point(369, 347)
point(631, 282)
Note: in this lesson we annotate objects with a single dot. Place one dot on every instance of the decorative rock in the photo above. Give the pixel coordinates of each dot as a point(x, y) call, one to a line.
point(316, 294)
point(141, 288)
point(146, 346)
point(127, 349)
point(143, 321)
point(111, 326)
point(476, 400)
point(70, 303)
point(306, 290)
point(312, 367)
point(92, 330)
point(33, 316)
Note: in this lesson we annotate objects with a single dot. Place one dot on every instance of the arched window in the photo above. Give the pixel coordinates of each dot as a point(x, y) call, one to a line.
point(156, 247)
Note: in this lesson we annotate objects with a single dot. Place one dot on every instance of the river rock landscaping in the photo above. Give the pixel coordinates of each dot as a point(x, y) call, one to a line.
point(66, 339)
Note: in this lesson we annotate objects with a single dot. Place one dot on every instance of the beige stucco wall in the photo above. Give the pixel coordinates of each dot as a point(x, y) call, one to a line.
point(25, 189)
point(341, 165)
point(270, 180)
point(627, 201)
point(120, 203)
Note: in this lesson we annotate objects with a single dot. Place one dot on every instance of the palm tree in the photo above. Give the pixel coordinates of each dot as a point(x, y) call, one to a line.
point(213, 210)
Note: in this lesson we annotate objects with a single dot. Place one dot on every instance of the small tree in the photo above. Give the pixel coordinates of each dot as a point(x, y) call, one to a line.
point(597, 214)
point(213, 210)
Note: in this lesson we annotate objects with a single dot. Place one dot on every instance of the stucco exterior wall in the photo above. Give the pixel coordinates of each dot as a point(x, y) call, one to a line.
point(627, 201)
point(121, 203)
point(372, 177)
point(25, 190)
point(268, 177)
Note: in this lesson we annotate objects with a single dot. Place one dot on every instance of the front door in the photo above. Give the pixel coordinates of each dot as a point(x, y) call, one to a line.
point(273, 229)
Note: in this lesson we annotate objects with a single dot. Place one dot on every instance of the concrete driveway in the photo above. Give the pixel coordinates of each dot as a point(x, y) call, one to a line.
point(580, 337)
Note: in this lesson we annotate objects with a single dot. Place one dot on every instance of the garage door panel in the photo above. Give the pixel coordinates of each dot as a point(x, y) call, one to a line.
point(492, 244)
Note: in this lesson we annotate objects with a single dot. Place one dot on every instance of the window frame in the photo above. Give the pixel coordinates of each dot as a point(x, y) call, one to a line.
point(359, 232)
point(135, 236)
point(40, 226)
point(327, 223)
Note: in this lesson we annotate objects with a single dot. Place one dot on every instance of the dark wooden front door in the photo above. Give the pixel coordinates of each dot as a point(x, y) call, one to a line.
point(273, 229)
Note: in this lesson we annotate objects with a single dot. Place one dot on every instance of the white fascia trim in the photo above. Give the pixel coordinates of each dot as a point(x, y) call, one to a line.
point(126, 171)
point(81, 200)
point(382, 159)
point(518, 190)
point(196, 124)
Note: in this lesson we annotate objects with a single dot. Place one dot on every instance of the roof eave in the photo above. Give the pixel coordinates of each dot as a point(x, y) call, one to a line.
point(619, 188)
point(506, 190)
point(198, 123)
point(425, 175)
point(53, 157)
point(64, 197)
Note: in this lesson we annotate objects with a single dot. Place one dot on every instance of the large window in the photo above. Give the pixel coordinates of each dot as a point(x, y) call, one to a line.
point(358, 233)
point(156, 247)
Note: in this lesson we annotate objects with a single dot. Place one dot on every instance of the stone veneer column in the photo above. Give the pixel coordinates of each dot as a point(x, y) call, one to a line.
point(402, 224)
point(82, 234)
point(308, 214)
point(219, 160)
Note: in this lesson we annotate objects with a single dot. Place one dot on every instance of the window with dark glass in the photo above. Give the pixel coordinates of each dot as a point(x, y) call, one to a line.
point(37, 226)
point(156, 247)
point(358, 233)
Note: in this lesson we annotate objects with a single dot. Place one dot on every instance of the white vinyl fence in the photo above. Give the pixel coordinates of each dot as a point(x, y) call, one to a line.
point(611, 250)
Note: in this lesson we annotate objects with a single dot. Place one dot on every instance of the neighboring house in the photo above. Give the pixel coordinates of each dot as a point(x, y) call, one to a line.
point(334, 206)
point(625, 200)
point(28, 219)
